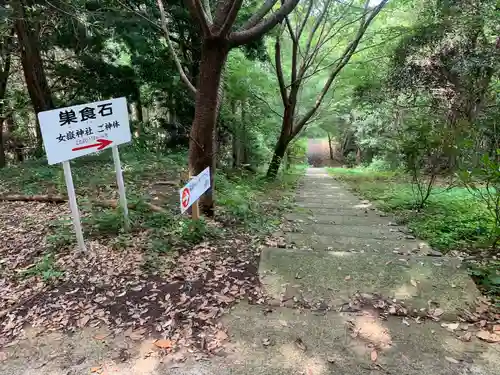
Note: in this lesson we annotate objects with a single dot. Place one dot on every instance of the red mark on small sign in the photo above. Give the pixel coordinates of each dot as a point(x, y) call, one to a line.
point(186, 194)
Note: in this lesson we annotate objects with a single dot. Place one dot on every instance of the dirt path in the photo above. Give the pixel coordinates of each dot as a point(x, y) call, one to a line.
point(348, 292)
point(318, 153)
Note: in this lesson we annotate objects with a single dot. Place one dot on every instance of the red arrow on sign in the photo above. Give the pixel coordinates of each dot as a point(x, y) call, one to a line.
point(101, 143)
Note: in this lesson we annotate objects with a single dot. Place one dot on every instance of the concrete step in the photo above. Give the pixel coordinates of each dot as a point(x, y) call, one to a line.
point(358, 231)
point(335, 205)
point(346, 243)
point(265, 344)
point(335, 276)
point(366, 219)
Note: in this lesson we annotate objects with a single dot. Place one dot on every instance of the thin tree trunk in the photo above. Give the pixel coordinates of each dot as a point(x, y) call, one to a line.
point(2, 149)
point(236, 139)
point(34, 74)
point(243, 137)
point(4, 76)
point(203, 130)
point(330, 146)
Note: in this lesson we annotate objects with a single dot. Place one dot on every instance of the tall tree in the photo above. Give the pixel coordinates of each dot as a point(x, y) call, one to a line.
point(27, 31)
point(218, 36)
point(310, 35)
point(5, 64)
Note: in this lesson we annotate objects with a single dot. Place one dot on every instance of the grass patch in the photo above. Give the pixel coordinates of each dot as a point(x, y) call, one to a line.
point(254, 201)
point(45, 268)
point(451, 219)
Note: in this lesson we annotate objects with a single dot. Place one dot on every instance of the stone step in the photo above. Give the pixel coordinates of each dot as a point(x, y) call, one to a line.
point(358, 231)
point(335, 276)
point(345, 243)
point(338, 343)
point(335, 211)
point(372, 220)
point(335, 205)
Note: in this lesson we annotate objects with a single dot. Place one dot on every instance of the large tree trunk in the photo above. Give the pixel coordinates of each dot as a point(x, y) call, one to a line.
point(283, 140)
point(202, 141)
point(279, 153)
point(34, 74)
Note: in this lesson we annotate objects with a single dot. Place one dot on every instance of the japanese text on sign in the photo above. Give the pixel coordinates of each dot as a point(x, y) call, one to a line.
point(82, 129)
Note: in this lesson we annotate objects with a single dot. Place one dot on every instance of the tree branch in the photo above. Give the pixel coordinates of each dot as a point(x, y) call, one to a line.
point(208, 11)
point(177, 62)
point(259, 15)
point(268, 105)
point(198, 13)
point(231, 17)
point(246, 36)
point(346, 56)
point(279, 71)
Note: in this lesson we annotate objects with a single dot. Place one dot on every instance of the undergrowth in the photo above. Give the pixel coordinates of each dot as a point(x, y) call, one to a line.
point(452, 219)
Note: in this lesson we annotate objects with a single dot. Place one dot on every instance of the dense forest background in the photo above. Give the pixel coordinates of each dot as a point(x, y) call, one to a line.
point(398, 84)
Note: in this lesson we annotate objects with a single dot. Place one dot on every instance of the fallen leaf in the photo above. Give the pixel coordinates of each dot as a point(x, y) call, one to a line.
point(488, 336)
point(496, 328)
point(163, 343)
point(83, 321)
point(347, 278)
point(437, 313)
point(95, 369)
point(266, 341)
point(283, 323)
point(137, 334)
point(414, 283)
point(3, 356)
point(466, 337)
point(452, 360)
point(100, 337)
point(300, 344)
point(374, 355)
point(221, 336)
point(331, 360)
point(450, 326)
point(405, 322)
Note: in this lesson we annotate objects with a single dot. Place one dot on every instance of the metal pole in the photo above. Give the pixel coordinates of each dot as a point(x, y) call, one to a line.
point(73, 205)
point(121, 186)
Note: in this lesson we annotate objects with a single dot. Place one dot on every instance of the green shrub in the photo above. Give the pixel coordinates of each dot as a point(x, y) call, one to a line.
point(45, 268)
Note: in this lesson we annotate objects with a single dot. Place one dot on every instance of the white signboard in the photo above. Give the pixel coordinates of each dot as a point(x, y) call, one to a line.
point(82, 129)
point(194, 189)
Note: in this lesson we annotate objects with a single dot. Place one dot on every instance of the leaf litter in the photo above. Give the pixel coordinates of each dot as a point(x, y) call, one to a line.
point(109, 288)
point(481, 320)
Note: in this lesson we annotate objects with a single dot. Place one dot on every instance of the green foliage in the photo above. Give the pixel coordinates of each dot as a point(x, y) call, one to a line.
point(483, 182)
point(379, 164)
point(103, 222)
point(487, 275)
point(45, 268)
point(193, 231)
point(451, 219)
point(62, 235)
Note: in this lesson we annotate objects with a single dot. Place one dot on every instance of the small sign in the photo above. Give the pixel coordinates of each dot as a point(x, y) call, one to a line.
point(79, 130)
point(194, 189)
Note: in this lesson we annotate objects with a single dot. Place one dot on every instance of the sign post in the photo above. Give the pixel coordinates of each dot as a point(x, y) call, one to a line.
point(193, 190)
point(75, 213)
point(121, 186)
point(75, 131)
